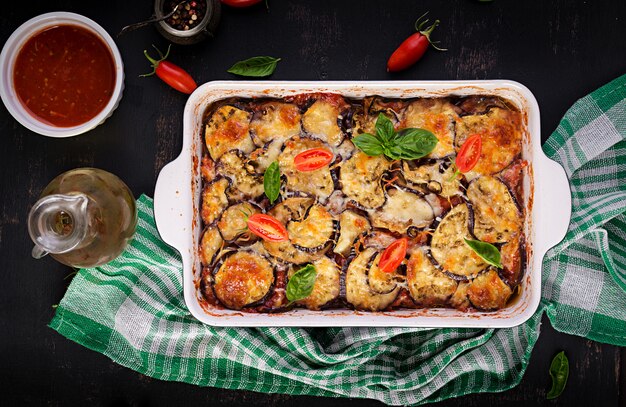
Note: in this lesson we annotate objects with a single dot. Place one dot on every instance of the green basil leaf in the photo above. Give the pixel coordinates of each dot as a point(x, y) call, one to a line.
point(486, 251)
point(300, 285)
point(369, 144)
point(271, 181)
point(384, 128)
point(255, 66)
point(559, 372)
point(415, 143)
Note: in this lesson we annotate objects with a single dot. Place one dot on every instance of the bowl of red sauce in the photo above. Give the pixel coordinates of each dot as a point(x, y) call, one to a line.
point(61, 74)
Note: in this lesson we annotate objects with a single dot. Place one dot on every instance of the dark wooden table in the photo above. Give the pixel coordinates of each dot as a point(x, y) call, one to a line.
point(561, 50)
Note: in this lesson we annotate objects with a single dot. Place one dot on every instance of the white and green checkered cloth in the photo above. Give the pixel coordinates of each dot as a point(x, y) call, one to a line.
point(132, 309)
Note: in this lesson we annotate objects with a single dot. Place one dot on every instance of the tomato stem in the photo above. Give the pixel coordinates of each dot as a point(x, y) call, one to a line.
point(155, 62)
point(419, 24)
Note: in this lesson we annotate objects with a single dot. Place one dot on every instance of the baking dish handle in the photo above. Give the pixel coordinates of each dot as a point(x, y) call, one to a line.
point(170, 199)
point(557, 208)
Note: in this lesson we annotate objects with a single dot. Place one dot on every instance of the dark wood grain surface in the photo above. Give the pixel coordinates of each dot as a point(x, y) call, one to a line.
point(560, 49)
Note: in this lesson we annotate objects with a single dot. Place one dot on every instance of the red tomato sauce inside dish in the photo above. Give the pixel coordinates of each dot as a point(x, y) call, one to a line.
point(64, 75)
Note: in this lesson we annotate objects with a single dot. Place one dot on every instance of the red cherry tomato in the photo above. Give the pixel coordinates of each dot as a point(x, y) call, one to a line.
point(241, 3)
point(469, 154)
point(313, 159)
point(393, 255)
point(170, 73)
point(413, 48)
point(267, 227)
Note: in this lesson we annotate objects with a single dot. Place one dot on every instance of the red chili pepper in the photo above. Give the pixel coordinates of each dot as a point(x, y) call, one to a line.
point(241, 3)
point(414, 47)
point(170, 73)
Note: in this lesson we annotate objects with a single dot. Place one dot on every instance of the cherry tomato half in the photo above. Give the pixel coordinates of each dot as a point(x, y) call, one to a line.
point(313, 159)
point(470, 153)
point(267, 227)
point(240, 3)
point(393, 255)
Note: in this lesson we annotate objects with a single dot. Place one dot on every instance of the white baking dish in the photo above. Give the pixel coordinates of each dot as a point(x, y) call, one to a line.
point(547, 201)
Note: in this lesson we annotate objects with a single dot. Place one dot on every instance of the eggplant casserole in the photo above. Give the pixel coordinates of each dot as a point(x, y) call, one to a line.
point(341, 217)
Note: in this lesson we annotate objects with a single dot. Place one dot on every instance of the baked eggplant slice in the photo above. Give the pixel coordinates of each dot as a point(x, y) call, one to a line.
point(496, 216)
point(214, 200)
point(234, 221)
point(351, 226)
point(358, 290)
point(275, 121)
point(437, 115)
point(244, 184)
point(381, 282)
point(210, 244)
point(428, 286)
point(244, 278)
point(228, 129)
point(402, 209)
point(313, 232)
point(437, 177)
point(501, 133)
point(262, 157)
point(365, 118)
point(327, 284)
point(318, 183)
point(321, 120)
point(288, 211)
point(448, 248)
point(360, 179)
point(488, 292)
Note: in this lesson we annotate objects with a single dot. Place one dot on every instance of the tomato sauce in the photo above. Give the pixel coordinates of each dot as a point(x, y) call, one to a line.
point(64, 75)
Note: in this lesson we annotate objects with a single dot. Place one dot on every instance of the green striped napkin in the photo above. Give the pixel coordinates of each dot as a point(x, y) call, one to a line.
point(132, 309)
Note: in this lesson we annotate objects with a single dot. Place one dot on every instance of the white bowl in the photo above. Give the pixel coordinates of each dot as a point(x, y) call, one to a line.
point(7, 63)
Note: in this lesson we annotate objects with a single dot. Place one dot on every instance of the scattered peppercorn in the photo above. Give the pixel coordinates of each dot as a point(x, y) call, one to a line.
point(187, 16)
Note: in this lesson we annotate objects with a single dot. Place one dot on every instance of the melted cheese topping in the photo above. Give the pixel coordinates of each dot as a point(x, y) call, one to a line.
point(214, 200)
point(351, 226)
point(360, 179)
point(402, 210)
point(358, 291)
point(262, 157)
point(234, 220)
point(379, 281)
point(320, 121)
point(496, 217)
point(314, 231)
point(276, 121)
point(318, 183)
point(501, 134)
point(437, 116)
point(233, 166)
point(209, 245)
point(427, 285)
point(488, 291)
point(243, 279)
point(448, 247)
point(228, 129)
point(326, 287)
point(446, 183)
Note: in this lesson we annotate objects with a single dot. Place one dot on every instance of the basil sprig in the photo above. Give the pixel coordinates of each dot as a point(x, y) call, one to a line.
point(486, 251)
point(255, 67)
point(300, 285)
point(406, 144)
point(271, 181)
point(559, 372)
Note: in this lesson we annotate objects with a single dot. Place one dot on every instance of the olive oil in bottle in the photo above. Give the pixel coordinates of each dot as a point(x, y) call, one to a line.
point(84, 218)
